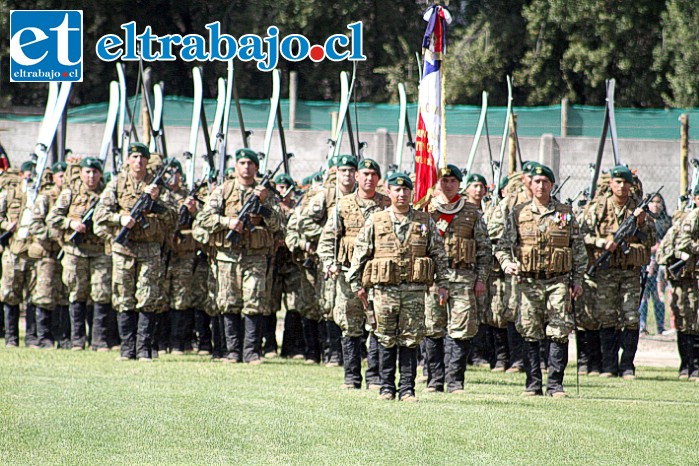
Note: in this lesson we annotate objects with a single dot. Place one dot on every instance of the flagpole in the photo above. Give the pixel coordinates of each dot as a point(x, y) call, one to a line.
point(443, 104)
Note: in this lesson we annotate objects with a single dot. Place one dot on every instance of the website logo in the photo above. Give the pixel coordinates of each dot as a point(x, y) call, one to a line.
point(46, 45)
point(219, 46)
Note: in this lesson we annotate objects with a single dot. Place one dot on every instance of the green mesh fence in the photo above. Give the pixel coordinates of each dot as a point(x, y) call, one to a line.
point(461, 119)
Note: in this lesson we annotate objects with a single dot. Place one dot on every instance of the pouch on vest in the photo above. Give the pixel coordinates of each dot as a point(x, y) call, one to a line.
point(423, 270)
point(561, 260)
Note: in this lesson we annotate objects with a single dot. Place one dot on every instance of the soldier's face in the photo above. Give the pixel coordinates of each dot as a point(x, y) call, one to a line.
point(283, 189)
point(400, 196)
point(137, 162)
point(656, 205)
point(475, 191)
point(58, 178)
point(90, 177)
point(449, 186)
point(175, 179)
point(245, 169)
point(620, 187)
point(345, 176)
point(27, 175)
point(367, 180)
point(541, 186)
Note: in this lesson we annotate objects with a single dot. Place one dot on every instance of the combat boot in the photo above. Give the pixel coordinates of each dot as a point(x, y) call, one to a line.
point(457, 365)
point(629, 346)
point(11, 325)
point(99, 326)
point(515, 343)
point(407, 361)
point(145, 335)
point(161, 332)
point(233, 341)
point(594, 352)
point(60, 327)
point(684, 344)
point(610, 352)
point(177, 336)
point(30, 338)
point(500, 349)
point(202, 328)
point(583, 353)
point(43, 328)
point(112, 328)
point(558, 360)
point(252, 339)
point(77, 325)
point(268, 332)
point(434, 360)
point(532, 367)
point(352, 356)
point(387, 368)
point(372, 375)
point(693, 348)
point(311, 340)
point(219, 345)
point(128, 321)
point(334, 335)
point(544, 349)
point(293, 340)
point(481, 348)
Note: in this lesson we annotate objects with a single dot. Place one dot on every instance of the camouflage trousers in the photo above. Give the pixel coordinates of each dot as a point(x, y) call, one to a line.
point(461, 312)
point(88, 278)
point(327, 290)
point(49, 291)
point(348, 311)
point(178, 286)
point(18, 278)
point(212, 289)
point(400, 315)
point(136, 281)
point(586, 307)
point(242, 286)
point(199, 286)
point(500, 292)
point(436, 318)
point(617, 294)
point(684, 305)
point(544, 309)
point(292, 291)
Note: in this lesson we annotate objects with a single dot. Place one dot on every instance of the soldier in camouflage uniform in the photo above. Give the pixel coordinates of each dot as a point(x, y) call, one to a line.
point(18, 277)
point(616, 287)
point(681, 242)
point(467, 246)
point(399, 252)
point(543, 247)
point(335, 249)
point(314, 216)
point(178, 285)
point(243, 294)
point(87, 269)
point(137, 265)
point(49, 294)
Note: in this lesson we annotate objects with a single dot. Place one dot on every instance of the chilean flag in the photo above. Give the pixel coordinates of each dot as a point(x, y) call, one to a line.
point(428, 140)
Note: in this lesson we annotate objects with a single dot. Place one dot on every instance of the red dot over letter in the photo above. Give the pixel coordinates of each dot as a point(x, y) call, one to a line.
point(317, 53)
point(65, 74)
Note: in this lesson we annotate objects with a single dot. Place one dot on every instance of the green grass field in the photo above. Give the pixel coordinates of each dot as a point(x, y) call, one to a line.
point(64, 407)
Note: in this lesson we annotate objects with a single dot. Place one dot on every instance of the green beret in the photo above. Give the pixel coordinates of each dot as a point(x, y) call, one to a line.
point(247, 154)
point(452, 170)
point(140, 148)
point(400, 179)
point(284, 178)
point(370, 164)
point(27, 166)
point(346, 161)
point(317, 176)
point(476, 178)
point(542, 170)
point(59, 167)
point(91, 162)
point(621, 171)
point(529, 165)
point(332, 161)
point(504, 182)
point(175, 165)
point(107, 177)
point(229, 171)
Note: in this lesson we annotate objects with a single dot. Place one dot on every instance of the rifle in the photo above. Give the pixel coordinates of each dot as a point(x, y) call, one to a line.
point(628, 228)
point(144, 204)
point(253, 206)
point(5, 238)
point(184, 217)
point(558, 188)
point(77, 238)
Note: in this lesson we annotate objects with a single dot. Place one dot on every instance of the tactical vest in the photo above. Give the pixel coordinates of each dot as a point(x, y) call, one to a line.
point(253, 242)
point(459, 238)
point(546, 251)
point(181, 243)
point(607, 225)
point(353, 220)
point(127, 196)
point(667, 253)
point(16, 201)
point(43, 248)
point(81, 201)
point(395, 262)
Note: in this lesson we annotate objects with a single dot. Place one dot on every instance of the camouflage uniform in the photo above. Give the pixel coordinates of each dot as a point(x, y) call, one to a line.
point(399, 259)
point(136, 266)
point(469, 258)
point(616, 289)
point(242, 267)
point(18, 279)
point(335, 248)
point(548, 247)
point(684, 300)
point(87, 269)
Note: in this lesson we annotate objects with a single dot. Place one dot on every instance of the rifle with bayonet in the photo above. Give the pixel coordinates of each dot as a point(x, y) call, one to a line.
point(145, 204)
point(254, 206)
point(628, 228)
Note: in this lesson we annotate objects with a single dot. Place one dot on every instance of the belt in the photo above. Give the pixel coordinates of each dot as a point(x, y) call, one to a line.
point(450, 264)
point(541, 275)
